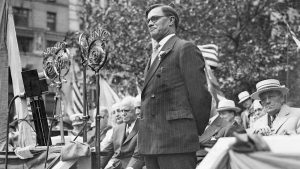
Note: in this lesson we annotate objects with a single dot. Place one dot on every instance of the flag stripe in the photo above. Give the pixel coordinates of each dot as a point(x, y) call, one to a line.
point(77, 97)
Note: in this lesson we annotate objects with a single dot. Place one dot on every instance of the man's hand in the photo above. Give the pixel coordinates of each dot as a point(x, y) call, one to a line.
point(289, 132)
point(265, 131)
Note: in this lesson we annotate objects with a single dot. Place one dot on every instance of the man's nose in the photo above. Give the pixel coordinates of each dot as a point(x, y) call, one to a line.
point(268, 100)
point(150, 23)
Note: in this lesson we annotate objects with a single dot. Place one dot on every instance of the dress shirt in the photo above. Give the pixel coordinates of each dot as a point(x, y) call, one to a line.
point(161, 44)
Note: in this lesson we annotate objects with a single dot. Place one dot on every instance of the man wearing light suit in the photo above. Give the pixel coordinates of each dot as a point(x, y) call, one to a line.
point(175, 101)
point(280, 118)
point(122, 150)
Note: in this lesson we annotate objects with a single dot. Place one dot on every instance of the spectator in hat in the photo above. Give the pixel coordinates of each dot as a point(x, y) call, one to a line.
point(77, 123)
point(223, 126)
point(280, 119)
point(246, 102)
point(227, 111)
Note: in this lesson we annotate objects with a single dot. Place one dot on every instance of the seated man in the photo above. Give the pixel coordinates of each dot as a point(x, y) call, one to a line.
point(104, 127)
point(223, 126)
point(122, 150)
point(113, 120)
point(246, 101)
point(280, 119)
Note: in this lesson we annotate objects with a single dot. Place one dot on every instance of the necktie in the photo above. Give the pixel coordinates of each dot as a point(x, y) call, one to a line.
point(127, 130)
point(154, 53)
point(271, 120)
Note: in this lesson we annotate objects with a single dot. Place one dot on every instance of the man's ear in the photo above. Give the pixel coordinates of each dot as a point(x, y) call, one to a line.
point(172, 20)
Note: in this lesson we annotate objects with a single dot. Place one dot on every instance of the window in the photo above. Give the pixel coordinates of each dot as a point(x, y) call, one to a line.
point(21, 16)
point(51, 21)
point(25, 44)
point(50, 43)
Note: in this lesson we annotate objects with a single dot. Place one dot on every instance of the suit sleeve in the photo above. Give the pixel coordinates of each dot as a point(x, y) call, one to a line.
point(192, 64)
point(137, 160)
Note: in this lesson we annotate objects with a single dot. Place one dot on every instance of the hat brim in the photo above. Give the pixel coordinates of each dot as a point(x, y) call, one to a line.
point(76, 123)
point(256, 94)
point(244, 99)
point(236, 109)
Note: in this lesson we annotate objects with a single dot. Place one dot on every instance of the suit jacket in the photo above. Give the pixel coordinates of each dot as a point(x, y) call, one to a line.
point(123, 150)
point(228, 130)
point(91, 135)
point(175, 100)
point(211, 131)
point(288, 119)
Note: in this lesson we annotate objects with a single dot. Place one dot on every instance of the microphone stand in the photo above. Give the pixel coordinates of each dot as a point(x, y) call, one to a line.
point(93, 49)
point(97, 132)
point(59, 112)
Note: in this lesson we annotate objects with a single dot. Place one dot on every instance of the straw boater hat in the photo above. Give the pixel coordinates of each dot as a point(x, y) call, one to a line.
point(243, 96)
point(227, 105)
point(268, 85)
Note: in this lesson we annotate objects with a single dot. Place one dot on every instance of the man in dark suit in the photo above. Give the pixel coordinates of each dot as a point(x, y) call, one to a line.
point(175, 101)
point(123, 153)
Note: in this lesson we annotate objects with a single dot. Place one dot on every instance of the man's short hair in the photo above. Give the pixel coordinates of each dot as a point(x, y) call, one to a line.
point(167, 10)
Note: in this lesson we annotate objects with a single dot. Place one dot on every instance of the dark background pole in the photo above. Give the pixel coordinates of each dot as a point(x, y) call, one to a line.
point(97, 134)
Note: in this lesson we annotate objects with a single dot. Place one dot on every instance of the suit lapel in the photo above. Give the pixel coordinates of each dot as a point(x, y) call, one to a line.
point(165, 51)
point(133, 132)
point(147, 68)
point(281, 118)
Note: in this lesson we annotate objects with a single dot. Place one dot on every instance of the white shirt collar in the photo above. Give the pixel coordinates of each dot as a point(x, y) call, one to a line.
point(129, 129)
point(163, 41)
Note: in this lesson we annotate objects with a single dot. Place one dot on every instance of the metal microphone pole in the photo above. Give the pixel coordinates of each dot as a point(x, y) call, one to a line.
point(59, 112)
point(85, 114)
point(93, 49)
point(97, 132)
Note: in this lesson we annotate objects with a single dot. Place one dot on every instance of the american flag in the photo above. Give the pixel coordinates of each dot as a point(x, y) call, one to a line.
point(77, 96)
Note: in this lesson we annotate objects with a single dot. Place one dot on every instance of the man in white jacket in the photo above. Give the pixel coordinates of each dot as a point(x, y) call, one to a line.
point(280, 119)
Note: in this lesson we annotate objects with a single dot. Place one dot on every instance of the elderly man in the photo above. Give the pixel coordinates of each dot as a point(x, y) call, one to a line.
point(104, 127)
point(280, 119)
point(123, 148)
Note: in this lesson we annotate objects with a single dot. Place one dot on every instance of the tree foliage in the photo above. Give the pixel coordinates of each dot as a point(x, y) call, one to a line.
point(252, 36)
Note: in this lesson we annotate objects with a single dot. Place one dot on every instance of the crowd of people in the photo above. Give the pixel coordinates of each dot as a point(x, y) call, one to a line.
point(179, 115)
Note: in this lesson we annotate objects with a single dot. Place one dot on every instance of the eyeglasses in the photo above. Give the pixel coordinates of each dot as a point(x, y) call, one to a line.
point(154, 19)
point(125, 110)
